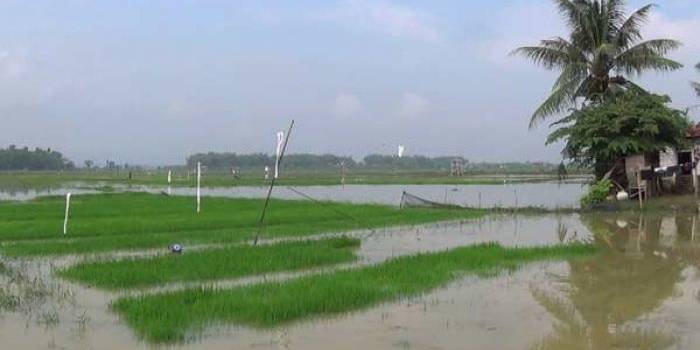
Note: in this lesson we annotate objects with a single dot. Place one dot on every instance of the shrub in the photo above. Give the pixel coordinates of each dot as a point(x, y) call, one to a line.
point(596, 194)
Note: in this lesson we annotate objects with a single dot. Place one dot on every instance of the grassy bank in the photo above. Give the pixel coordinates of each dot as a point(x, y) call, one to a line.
point(212, 264)
point(177, 316)
point(124, 221)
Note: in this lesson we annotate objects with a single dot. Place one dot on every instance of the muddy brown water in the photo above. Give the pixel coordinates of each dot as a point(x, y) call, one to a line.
point(641, 292)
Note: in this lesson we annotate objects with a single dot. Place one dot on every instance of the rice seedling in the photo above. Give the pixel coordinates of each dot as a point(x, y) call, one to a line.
point(181, 315)
point(127, 221)
point(211, 264)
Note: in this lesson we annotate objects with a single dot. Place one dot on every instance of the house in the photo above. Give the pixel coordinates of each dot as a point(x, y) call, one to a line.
point(670, 171)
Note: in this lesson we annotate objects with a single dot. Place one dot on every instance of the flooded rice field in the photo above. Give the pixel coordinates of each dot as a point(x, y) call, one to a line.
point(542, 194)
point(641, 292)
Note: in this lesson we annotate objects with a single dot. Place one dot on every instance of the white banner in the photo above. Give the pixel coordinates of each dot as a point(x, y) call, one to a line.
point(65, 221)
point(280, 143)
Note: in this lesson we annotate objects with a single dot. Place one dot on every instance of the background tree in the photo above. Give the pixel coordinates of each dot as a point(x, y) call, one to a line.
point(603, 51)
point(631, 123)
point(88, 164)
point(14, 158)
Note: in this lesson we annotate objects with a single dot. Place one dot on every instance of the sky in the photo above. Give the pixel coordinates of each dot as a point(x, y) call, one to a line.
point(149, 82)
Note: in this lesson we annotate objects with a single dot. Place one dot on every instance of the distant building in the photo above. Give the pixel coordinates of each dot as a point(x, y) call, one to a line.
point(457, 167)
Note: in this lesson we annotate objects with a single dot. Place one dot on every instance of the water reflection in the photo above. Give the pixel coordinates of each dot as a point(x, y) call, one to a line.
point(601, 301)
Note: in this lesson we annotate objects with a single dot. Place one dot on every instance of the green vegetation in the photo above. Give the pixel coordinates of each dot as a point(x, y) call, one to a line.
point(126, 221)
point(13, 158)
point(602, 40)
point(175, 316)
point(631, 123)
point(371, 164)
point(597, 193)
point(215, 160)
point(212, 264)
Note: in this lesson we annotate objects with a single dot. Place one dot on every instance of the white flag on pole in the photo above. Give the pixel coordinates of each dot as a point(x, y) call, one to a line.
point(402, 149)
point(65, 221)
point(278, 152)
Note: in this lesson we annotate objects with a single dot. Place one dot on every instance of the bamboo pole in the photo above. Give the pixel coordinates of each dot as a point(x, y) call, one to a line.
point(272, 185)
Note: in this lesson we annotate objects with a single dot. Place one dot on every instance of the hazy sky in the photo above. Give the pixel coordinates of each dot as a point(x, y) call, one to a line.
point(149, 82)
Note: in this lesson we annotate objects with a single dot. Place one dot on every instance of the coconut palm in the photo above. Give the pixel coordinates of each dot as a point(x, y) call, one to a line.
point(604, 49)
point(696, 86)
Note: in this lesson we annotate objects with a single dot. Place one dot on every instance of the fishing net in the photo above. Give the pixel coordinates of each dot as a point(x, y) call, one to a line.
point(412, 201)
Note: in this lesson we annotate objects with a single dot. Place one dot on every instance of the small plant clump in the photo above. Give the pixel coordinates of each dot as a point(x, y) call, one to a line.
point(597, 193)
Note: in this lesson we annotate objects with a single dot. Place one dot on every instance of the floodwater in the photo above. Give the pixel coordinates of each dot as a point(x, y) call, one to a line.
point(641, 292)
point(542, 194)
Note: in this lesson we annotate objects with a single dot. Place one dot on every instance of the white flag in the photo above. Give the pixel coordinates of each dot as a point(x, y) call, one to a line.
point(280, 143)
point(402, 149)
point(65, 220)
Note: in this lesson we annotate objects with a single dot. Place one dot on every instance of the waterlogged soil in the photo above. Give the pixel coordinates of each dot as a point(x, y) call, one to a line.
point(641, 292)
point(543, 194)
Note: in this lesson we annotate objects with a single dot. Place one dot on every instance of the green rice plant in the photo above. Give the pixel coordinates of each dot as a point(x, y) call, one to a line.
point(131, 221)
point(178, 316)
point(212, 264)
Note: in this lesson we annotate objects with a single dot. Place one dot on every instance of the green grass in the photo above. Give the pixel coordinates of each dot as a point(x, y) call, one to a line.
point(129, 221)
point(212, 264)
point(179, 316)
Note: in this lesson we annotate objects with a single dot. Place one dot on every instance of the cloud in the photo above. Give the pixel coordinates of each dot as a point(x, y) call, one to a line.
point(684, 30)
point(346, 105)
point(12, 65)
point(396, 20)
point(516, 25)
point(413, 106)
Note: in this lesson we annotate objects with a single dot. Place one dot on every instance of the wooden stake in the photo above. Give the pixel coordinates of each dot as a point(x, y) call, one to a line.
point(199, 184)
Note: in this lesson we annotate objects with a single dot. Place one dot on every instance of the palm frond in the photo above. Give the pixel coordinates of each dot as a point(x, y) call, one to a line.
point(648, 55)
point(563, 94)
point(696, 86)
point(656, 46)
point(547, 57)
point(573, 11)
point(629, 31)
point(636, 65)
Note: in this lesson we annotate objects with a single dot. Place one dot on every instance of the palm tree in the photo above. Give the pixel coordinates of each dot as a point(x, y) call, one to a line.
point(695, 85)
point(603, 50)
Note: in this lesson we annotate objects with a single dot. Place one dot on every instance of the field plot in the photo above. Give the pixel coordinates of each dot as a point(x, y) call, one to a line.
point(272, 304)
point(211, 264)
point(118, 243)
point(137, 221)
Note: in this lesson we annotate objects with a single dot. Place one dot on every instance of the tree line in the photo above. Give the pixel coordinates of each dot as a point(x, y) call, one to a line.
point(305, 161)
point(13, 158)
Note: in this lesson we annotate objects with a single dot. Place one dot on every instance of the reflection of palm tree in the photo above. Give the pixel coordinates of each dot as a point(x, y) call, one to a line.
point(571, 332)
point(604, 294)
